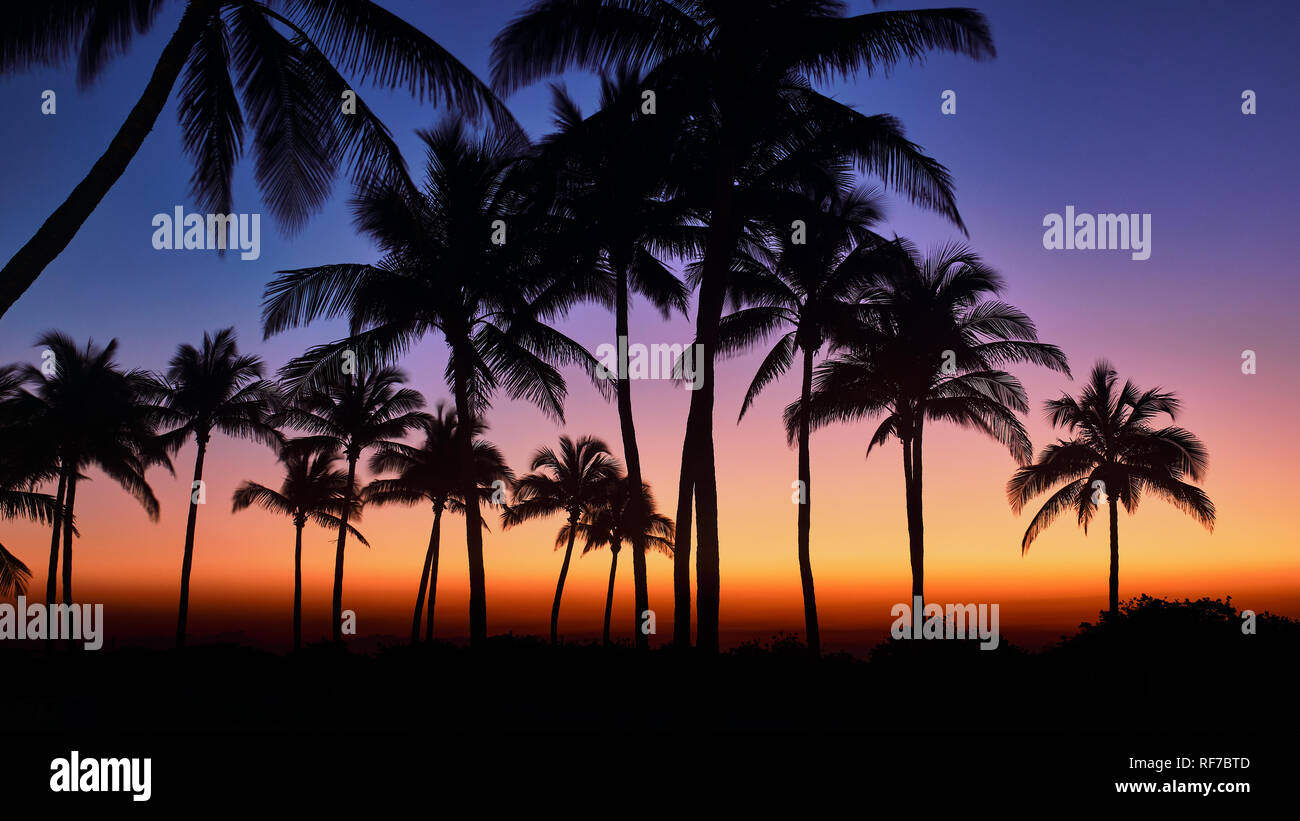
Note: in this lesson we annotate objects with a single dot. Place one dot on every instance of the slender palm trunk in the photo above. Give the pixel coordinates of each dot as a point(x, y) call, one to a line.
point(805, 511)
point(915, 518)
point(67, 537)
point(297, 586)
point(632, 456)
point(1114, 557)
point(52, 580)
point(433, 573)
point(337, 610)
point(559, 586)
point(62, 225)
point(425, 584)
point(473, 516)
point(682, 543)
point(609, 596)
point(187, 562)
point(698, 456)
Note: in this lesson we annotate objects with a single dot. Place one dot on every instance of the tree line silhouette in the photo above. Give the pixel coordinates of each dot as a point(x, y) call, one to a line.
point(711, 152)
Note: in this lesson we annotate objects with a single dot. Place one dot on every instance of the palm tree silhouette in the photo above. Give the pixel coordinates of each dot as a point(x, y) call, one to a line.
point(350, 416)
point(810, 287)
point(442, 272)
point(740, 74)
point(431, 473)
point(29, 461)
point(564, 482)
point(91, 413)
point(930, 351)
point(312, 490)
point(287, 65)
point(1114, 452)
point(206, 389)
point(619, 207)
point(605, 522)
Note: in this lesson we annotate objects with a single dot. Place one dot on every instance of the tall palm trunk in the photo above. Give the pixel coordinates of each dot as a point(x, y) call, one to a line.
point(698, 465)
point(52, 580)
point(559, 586)
point(67, 537)
point(62, 225)
point(424, 577)
point(297, 584)
point(805, 511)
point(473, 516)
point(609, 595)
point(634, 515)
point(433, 572)
point(1114, 557)
point(915, 517)
point(201, 438)
point(338, 551)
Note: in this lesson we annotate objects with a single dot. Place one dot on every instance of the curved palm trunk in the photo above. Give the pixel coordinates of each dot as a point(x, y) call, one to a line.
point(297, 587)
point(632, 456)
point(433, 574)
point(698, 456)
point(338, 551)
point(188, 561)
point(62, 225)
point(473, 516)
point(805, 512)
point(559, 587)
point(52, 580)
point(609, 596)
point(424, 579)
point(1114, 557)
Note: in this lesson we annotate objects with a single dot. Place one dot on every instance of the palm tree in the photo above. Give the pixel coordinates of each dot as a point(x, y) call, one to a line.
point(564, 482)
point(739, 75)
point(809, 289)
point(350, 416)
point(28, 462)
point(90, 413)
point(931, 351)
point(442, 272)
point(606, 522)
point(285, 60)
point(1114, 451)
point(206, 389)
point(312, 490)
point(431, 473)
point(615, 194)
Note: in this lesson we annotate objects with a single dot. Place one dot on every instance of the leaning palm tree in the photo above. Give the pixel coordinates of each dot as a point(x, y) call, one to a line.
point(350, 416)
point(285, 61)
point(460, 260)
point(616, 195)
point(431, 474)
point(608, 521)
point(809, 289)
point(566, 482)
point(930, 351)
point(92, 414)
point(739, 75)
point(1115, 453)
point(312, 490)
point(212, 388)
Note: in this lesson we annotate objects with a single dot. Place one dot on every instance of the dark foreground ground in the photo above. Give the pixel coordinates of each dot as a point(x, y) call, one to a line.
point(1165, 679)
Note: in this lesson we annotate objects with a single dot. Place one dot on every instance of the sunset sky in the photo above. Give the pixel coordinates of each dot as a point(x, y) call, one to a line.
point(1106, 106)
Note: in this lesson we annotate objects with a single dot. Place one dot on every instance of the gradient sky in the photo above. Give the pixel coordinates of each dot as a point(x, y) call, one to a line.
point(1107, 106)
